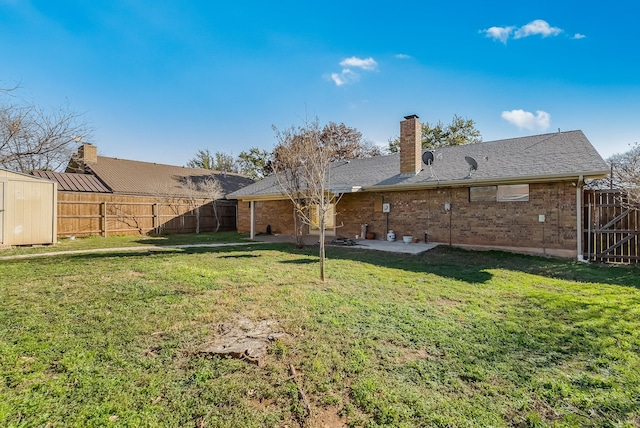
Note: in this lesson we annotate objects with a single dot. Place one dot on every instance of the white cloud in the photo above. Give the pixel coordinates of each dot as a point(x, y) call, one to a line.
point(499, 33)
point(539, 26)
point(403, 56)
point(527, 120)
point(534, 28)
point(578, 36)
point(366, 64)
point(347, 75)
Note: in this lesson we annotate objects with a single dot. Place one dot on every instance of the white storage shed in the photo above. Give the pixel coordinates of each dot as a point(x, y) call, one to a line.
point(27, 209)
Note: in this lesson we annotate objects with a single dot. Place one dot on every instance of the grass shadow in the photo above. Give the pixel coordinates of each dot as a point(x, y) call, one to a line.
point(299, 261)
point(240, 256)
point(473, 266)
point(465, 265)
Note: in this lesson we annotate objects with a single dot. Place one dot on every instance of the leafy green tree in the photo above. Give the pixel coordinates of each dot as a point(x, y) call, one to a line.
point(217, 161)
point(203, 159)
point(254, 163)
point(460, 131)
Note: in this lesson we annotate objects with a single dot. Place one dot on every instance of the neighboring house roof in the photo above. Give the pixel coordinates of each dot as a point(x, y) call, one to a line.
point(74, 182)
point(144, 178)
point(560, 155)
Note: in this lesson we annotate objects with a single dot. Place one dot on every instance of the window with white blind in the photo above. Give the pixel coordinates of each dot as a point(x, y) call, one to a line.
point(501, 193)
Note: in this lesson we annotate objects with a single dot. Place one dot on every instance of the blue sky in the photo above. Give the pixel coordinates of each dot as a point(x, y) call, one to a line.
point(159, 80)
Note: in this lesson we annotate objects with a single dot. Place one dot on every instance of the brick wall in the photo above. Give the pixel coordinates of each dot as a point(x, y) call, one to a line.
point(278, 214)
point(508, 225)
point(493, 224)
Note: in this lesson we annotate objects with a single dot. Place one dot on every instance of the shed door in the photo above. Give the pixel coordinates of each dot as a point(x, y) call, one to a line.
point(1, 212)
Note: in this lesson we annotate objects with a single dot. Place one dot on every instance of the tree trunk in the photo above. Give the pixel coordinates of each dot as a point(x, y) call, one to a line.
point(321, 254)
point(297, 228)
point(197, 219)
point(215, 214)
point(322, 236)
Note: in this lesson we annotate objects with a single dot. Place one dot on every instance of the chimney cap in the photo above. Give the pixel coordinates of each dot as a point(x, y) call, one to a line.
point(412, 116)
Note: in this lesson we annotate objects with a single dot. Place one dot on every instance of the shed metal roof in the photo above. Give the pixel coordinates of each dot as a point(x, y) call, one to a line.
point(74, 182)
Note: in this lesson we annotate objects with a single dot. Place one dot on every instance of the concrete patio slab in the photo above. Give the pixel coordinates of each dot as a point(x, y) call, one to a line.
point(363, 244)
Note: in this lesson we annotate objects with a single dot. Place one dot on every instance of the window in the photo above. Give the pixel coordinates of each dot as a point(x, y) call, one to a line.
point(482, 193)
point(513, 193)
point(502, 193)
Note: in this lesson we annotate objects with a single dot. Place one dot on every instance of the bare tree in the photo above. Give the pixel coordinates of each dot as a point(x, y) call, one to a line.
point(193, 199)
point(212, 187)
point(302, 167)
point(625, 173)
point(164, 196)
point(347, 143)
point(33, 138)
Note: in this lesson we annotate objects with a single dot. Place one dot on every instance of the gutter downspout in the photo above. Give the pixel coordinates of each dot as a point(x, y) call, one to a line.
point(579, 185)
point(252, 208)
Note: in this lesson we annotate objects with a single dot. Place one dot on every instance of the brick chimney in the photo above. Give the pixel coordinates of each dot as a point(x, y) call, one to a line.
point(410, 146)
point(88, 153)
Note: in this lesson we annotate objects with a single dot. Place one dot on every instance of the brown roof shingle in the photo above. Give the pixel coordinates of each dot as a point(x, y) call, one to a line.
point(561, 155)
point(130, 177)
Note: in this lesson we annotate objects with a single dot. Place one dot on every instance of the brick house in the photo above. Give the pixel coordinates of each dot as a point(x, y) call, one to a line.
point(519, 194)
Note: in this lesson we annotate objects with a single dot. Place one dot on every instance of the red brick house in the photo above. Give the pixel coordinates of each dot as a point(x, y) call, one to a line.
point(519, 194)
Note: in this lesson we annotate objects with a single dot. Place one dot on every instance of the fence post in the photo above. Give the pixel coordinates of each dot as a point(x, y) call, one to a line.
point(104, 219)
point(156, 218)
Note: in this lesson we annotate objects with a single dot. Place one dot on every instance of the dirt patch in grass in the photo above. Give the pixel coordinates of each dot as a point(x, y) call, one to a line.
point(326, 417)
point(134, 274)
point(408, 355)
point(444, 301)
point(546, 412)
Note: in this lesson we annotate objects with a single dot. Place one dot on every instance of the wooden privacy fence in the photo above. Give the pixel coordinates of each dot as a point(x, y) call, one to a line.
point(91, 214)
point(611, 227)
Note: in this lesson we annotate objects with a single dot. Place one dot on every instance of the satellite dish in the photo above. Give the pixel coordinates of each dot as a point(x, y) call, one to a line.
point(473, 165)
point(427, 157)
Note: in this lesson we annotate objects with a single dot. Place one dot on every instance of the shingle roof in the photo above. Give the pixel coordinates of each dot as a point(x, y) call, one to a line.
point(74, 182)
point(525, 159)
point(144, 178)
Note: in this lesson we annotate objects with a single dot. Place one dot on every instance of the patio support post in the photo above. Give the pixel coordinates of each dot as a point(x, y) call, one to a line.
point(252, 207)
point(579, 220)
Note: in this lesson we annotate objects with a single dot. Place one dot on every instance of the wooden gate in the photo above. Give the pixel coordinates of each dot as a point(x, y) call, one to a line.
point(611, 227)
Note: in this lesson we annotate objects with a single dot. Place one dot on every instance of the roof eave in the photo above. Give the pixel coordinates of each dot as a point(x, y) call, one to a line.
point(490, 181)
point(249, 198)
point(451, 183)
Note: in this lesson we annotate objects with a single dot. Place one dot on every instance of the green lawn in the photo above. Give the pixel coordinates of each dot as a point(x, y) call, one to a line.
point(448, 338)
